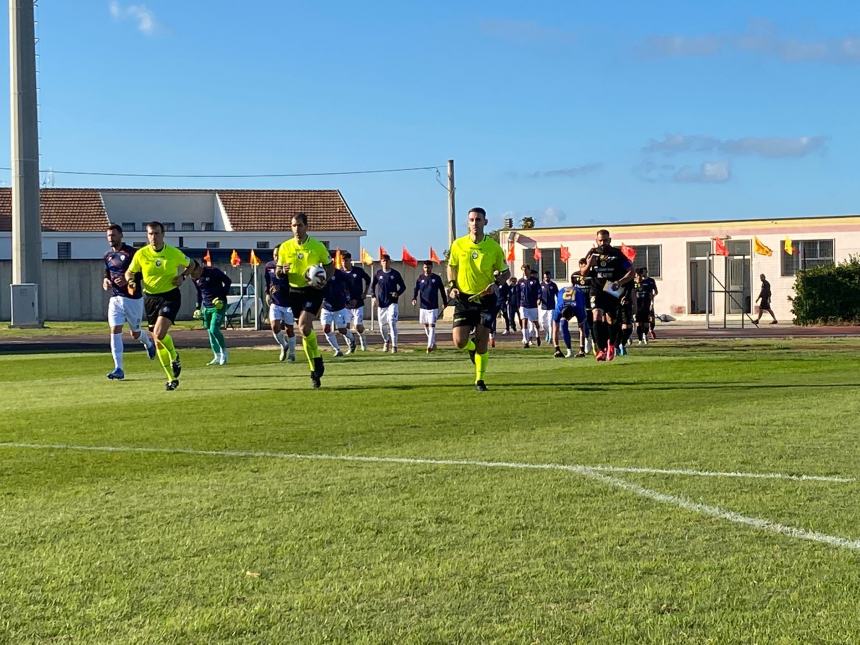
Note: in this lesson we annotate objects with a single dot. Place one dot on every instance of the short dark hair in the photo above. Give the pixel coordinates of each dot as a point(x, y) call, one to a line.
point(302, 217)
point(346, 255)
point(547, 273)
point(155, 224)
point(583, 261)
point(526, 267)
point(385, 256)
point(641, 270)
point(428, 263)
point(574, 276)
point(115, 227)
point(604, 232)
point(479, 210)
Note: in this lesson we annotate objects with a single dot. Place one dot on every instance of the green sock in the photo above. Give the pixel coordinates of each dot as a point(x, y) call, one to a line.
point(481, 366)
point(470, 346)
point(312, 350)
point(164, 358)
point(167, 341)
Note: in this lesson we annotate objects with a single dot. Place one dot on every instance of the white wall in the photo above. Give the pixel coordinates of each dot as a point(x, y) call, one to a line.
point(140, 207)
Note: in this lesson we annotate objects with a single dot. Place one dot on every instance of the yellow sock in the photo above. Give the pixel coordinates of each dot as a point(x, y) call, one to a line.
point(312, 349)
point(481, 366)
point(470, 346)
point(164, 358)
point(167, 341)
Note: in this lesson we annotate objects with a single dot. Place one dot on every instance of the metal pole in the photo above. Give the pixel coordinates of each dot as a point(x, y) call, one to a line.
point(241, 300)
point(256, 303)
point(26, 223)
point(452, 221)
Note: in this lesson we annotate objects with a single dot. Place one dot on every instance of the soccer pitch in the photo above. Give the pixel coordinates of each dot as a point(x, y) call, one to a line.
point(690, 492)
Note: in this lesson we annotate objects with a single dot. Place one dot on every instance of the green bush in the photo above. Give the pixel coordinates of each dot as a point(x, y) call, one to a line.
point(827, 295)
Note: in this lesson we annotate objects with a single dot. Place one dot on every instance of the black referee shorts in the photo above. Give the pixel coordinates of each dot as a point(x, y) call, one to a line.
point(471, 314)
point(165, 305)
point(305, 299)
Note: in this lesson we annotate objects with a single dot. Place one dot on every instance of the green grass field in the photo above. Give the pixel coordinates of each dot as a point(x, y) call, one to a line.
point(246, 524)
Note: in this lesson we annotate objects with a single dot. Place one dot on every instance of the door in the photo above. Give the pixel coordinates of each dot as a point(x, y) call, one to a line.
point(697, 252)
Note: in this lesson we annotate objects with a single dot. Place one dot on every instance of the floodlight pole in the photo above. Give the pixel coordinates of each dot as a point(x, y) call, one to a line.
point(452, 221)
point(24, 134)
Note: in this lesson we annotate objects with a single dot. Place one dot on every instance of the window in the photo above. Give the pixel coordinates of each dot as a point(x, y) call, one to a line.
point(213, 245)
point(187, 226)
point(806, 254)
point(648, 256)
point(128, 227)
point(64, 250)
point(169, 227)
point(698, 249)
point(738, 247)
point(207, 226)
point(262, 244)
point(550, 261)
point(181, 241)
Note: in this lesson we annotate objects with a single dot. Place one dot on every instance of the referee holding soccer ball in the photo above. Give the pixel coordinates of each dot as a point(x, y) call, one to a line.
point(296, 257)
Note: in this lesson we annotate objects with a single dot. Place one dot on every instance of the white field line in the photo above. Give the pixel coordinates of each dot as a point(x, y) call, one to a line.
point(592, 472)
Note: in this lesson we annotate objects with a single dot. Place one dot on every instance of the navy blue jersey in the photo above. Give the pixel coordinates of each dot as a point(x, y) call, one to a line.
point(116, 264)
point(388, 287)
point(529, 292)
point(336, 291)
point(582, 284)
point(429, 288)
point(212, 283)
point(503, 294)
point(645, 289)
point(277, 288)
point(548, 293)
point(611, 266)
point(357, 280)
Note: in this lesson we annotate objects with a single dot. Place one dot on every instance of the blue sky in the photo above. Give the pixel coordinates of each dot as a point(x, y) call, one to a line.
point(572, 113)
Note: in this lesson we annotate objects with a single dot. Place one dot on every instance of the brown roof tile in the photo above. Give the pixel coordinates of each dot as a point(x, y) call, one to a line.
point(62, 209)
point(272, 210)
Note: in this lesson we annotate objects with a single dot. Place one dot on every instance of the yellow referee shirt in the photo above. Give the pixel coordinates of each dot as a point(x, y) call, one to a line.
point(159, 268)
point(476, 262)
point(301, 256)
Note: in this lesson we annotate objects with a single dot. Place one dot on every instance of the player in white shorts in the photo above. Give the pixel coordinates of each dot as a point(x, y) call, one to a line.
point(333, 315)
point(359, 282)
point(281, 318)
point(428, 289)
point(125, 305)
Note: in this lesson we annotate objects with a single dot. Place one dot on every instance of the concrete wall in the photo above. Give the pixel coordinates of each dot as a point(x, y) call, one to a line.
point(72, 289)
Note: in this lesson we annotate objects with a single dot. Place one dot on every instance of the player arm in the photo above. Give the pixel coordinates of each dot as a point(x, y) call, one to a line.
point(452, 287)
point(443, 293)
point(400, 286)
point(133, 268)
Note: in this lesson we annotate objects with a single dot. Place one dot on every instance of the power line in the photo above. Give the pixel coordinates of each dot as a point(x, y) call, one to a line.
point(236, 176)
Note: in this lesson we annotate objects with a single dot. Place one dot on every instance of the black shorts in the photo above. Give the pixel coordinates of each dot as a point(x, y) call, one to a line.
point(305, 299)
point(472, 314)
point(625, 313)
point(165, 304)
point(643, 311)
point(604, 301)
point(765, 304)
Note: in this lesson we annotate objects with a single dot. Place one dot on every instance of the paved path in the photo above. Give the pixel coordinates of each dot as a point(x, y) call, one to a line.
point(411, 334)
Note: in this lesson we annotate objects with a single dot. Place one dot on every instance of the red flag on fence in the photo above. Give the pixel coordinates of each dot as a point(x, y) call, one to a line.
point(564, 254)
point(720, 247)
point(510, 256)
point(207, 259)
point(538, 254)
point(382, 252)
point(628, 251)
point(434, 257)
point(408, 258)
point(234, 259)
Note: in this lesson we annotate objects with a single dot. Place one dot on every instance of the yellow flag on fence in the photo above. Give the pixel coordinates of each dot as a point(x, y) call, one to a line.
point(760, 248)
point(365, 257)
point(789, 249)
point(255, 261)
point(338, 259)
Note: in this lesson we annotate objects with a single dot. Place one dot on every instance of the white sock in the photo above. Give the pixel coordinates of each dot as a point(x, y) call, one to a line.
point(431, 337)
point(291, 342)
point(427, 330)
point(332, 340)
point(281, 339)
point(361, 340)
point(525, 331)
point(382, 333)
point(116, 347)
point(144, 339)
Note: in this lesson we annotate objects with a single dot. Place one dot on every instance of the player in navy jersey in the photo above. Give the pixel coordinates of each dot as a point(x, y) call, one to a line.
point(528, 288)
point(125, 305)
point(609, 270)
point(359, 283)
point(388, 286)
point(582, 285)
point(546, 304)
point(281, 319)
point(428, 290)
point(333, 315)
point(212, 286)
point(513, 306)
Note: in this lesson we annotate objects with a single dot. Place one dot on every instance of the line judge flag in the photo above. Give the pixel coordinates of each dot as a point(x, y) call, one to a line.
point(760, 248)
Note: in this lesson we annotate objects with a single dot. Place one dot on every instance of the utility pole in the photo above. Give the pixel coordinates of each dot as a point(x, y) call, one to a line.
point(452, 222)
point(26, 222)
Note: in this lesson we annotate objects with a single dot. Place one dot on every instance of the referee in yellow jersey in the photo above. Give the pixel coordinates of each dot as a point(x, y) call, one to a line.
point(163, 267)
point(295, 256)
point(475, 263)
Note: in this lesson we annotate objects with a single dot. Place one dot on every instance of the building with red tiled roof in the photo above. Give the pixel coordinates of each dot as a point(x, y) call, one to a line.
point(74, 219)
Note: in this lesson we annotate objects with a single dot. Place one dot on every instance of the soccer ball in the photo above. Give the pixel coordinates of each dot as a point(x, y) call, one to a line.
point(315, 275)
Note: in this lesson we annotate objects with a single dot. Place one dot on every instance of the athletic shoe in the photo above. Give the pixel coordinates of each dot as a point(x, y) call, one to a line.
point(291, 358)
point(319, 366)
point(315, 381)
point(222, 359)
point(600, 356)
point(526, 344)
point(773, 322)
point(363, 345)
point(150, 350)
point(505, 333)
point(580, 354)
point(610, 353)
point(171, 385)
point(557, 353)
point(350, 344)
point(116, 375)
point(215, 360)
point(338, 353)
point(385, 346)
point(394, 349)
point(177, 368)
point(429, 349)
point(481, 386)
point(568, 353)
point(283, 355)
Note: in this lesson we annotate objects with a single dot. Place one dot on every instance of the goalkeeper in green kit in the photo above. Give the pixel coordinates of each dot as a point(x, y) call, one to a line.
point(212, 288)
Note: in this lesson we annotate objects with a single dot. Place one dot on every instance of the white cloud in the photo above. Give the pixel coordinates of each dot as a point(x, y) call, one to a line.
point(709, 172)
point(139, 13)
point(770, 147)
point(552, 216)
point(569, 173)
